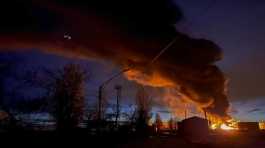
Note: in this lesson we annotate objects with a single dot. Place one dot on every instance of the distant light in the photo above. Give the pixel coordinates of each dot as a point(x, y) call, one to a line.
point(67, 36)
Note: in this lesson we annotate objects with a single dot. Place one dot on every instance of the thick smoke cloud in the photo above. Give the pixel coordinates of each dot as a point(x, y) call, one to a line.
point(128, 33)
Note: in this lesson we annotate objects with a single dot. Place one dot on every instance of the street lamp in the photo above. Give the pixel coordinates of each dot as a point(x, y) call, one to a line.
point(101, 88)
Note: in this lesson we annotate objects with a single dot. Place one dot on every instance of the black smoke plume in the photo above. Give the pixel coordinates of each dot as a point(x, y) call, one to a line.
point(126, 32)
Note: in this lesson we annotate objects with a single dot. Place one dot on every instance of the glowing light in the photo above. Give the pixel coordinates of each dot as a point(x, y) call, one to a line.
point(225, 127)
point(262, 125)
point(67, 36)
point(214, 126)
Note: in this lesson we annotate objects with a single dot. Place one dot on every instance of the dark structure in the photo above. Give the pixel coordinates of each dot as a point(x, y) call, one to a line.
point(248, 126)
point(68, 97)
point(194, 129)
point(118, 88)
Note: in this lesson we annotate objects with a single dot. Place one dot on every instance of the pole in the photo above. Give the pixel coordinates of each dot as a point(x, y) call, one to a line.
point(185, 113)
point(100, 102)
point(118, 88)
point(205, 115)
point(101, 89)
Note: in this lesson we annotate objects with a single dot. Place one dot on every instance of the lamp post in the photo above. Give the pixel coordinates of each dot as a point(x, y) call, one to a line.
point(101, 89)
point(118, 88)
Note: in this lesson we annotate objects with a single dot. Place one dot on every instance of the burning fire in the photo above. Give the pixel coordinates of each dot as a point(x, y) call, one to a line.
point(262, 125)
point(214, 126)
point(227, 125)
point(182, 101)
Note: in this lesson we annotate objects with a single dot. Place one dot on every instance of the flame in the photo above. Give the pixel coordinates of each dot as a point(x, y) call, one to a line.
point(180, 104)
point(262, 125)
point(230, 124)
point(226, 127)
point(214, 126)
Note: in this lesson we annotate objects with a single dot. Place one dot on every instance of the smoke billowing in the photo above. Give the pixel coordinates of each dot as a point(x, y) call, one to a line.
point(129, 33)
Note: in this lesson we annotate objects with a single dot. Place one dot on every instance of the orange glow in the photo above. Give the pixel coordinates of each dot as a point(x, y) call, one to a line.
point(262, 125)
point(3, 115)
point(225, 127)
point(181, 104)
point(154, 79)
point(214, 126)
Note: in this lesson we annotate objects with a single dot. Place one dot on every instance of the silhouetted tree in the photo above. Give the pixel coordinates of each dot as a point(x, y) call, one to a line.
point(130, 114)
point(63, 93)
point(68, 97)
point(144, 104)
point(172, 123)
point(158, 123)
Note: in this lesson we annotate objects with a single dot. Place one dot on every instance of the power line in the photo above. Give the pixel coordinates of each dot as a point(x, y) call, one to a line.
point(163, 50)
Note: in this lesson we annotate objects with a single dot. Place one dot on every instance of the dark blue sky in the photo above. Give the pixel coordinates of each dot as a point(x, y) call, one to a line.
point(238, 27)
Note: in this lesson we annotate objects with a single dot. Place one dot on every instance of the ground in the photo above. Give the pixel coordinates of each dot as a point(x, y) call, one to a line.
point(81, 139)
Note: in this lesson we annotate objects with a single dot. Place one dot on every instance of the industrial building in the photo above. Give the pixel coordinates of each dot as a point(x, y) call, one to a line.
point(194, 129)
point(248, 126)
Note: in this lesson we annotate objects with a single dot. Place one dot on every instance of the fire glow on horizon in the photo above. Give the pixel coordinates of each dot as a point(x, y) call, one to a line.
point(227, 126)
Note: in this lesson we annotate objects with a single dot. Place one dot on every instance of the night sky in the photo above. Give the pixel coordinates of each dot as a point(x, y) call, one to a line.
point(236, 26)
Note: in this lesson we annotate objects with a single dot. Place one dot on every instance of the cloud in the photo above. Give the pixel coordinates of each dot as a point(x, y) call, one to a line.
point(128, 33)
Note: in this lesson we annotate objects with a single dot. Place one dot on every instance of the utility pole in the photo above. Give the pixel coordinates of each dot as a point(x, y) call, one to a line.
point(185, 113)
point(118, 88)
point(205, 115)
point(101, 89)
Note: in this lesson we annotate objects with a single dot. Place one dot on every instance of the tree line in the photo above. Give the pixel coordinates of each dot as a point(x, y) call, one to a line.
point(64, 98)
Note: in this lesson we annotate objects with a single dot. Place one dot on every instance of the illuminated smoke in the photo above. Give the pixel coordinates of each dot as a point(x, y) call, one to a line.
point(128, 33)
